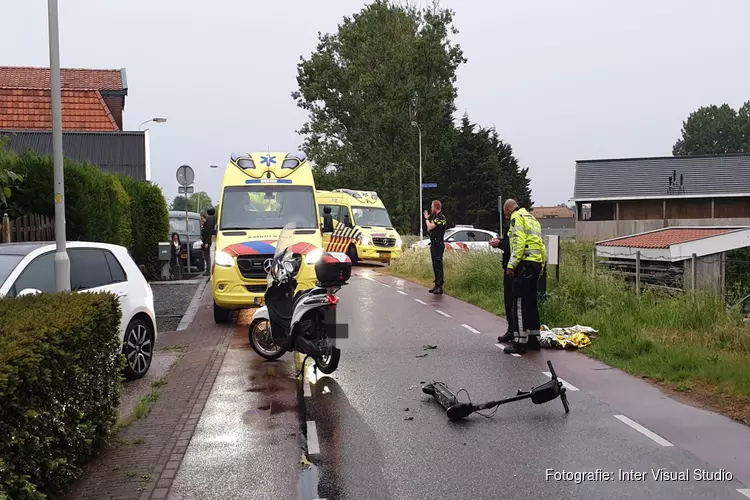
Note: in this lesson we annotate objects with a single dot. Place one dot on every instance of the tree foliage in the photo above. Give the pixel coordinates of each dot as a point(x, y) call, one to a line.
point(196, 202)
point(713, 130)
point(8, 178)
point(386, 67)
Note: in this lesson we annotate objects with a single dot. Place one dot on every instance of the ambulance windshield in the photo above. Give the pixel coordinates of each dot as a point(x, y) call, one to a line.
point(269, 206)
point(370, 216)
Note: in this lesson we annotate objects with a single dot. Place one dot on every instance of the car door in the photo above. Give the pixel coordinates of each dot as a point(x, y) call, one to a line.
point(458, 240)
point(479, 241)
point(39, 274)
point(98, 270)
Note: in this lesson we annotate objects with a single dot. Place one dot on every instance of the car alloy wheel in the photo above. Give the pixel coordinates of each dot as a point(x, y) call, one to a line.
point(138, 349)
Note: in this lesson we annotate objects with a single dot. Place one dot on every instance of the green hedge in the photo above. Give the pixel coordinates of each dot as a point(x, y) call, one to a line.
point(60, 379)
point(99, 206)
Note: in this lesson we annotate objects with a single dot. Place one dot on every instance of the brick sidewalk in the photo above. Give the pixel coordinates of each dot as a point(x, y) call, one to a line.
point(145, 464)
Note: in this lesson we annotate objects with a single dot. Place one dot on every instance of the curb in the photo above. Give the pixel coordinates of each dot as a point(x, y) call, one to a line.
point(192, 309)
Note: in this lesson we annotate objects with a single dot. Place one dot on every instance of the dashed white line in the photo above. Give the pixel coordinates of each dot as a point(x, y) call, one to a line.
point(568, 386)
point(472, 330)
point(402, 293)
point(421, 302)
point(306, 388)
point(643, 430)
point(744, 491)
point(384, 284)
point(501, 346)
point(441, 312)
point(313, 446)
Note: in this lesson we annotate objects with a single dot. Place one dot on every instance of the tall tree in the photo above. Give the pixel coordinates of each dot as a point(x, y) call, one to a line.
point(196, 202)
point(8, 178)
point(715, 130)
point(385, 67)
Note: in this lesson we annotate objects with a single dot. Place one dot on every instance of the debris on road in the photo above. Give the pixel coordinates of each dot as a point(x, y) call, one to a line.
point(409, 418)
point(406, 409)
point(574, 337)
point(421, 355)
point(428, 346)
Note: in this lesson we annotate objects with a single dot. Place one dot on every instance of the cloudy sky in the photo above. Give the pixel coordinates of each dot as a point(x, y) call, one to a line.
point(559, 80)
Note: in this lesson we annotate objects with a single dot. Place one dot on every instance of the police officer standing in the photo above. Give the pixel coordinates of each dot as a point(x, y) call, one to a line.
point(436, 228)
point(528, 256)
point(504, 244)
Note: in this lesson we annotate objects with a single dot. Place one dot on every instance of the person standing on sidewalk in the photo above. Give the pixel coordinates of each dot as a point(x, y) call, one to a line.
point(504, 244)
point(207, 232)
point(436, 222)
point(527, 258)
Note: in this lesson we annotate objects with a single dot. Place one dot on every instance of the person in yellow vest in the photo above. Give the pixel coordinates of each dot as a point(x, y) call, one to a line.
point(528, 256)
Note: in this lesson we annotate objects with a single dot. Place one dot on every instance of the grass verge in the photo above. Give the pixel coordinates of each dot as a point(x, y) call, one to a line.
point(689, 344)
point(143, 408)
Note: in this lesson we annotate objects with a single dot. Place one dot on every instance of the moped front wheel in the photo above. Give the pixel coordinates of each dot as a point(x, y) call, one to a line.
point(262, 341)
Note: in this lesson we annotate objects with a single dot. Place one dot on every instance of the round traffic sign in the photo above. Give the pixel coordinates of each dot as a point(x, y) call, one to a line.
point(185, 175)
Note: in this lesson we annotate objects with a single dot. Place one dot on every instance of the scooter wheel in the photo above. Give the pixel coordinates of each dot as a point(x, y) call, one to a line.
point(328, 364)
point(262, 342)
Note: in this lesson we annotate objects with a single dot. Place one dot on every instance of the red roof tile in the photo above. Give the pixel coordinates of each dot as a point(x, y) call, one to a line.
point(25, 109)
point(79, 79)
point(665, 238)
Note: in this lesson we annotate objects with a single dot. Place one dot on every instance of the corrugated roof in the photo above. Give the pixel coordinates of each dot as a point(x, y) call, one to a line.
point(665, 238)
point(116, 152)
point(26, 109)
point(70, 78)
point(649, 177)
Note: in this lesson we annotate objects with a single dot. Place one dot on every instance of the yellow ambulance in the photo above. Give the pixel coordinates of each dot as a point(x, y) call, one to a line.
point(262, 193)
point(361, 226)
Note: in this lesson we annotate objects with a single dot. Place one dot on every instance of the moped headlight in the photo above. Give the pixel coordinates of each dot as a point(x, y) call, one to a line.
point(314, 256)
point(223, 259)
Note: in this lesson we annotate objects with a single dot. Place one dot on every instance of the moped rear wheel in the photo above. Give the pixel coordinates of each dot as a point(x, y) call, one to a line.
point(329, 361)
point(262, 341)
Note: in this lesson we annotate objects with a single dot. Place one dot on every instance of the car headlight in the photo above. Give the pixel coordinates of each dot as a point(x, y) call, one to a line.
point(399, 242)
point(197, 245)
point(223, 259)
point(365, 240)
point(314, 256)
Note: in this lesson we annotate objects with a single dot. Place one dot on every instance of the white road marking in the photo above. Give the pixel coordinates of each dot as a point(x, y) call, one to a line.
point(402, 293)
point(421, 302)
point(367, 277)
point(384, 284)
point(313, 447)
point(643, 430)
point(568, 386)
point(472, 330)
point(441, 312)
point(306, 388)
point(501, 346)
point(744, 491)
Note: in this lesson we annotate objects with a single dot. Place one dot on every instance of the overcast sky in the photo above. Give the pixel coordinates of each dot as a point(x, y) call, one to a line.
point(560, 81)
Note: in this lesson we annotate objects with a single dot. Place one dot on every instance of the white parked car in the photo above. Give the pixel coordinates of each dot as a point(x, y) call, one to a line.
point(463, 238)
point(29, 268)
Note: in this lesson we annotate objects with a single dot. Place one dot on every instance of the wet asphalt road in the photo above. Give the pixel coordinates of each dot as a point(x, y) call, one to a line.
point(364, 447)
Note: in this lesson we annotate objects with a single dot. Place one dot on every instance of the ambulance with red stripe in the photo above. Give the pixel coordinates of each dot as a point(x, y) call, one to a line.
point(362, 227)
point(262, 193)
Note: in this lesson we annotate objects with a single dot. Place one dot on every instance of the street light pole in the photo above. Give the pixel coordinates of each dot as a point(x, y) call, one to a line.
point(155, 120)
point(421, 224)
point(62, 262)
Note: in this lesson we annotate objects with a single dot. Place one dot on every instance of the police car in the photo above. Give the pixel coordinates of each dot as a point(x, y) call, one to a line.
point(463, 238)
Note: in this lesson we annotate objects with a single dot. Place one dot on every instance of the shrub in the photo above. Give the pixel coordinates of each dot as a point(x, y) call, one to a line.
point(60, 379)
point(149, 222)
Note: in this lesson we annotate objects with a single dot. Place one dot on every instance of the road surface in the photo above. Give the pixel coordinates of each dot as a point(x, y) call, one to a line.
point(371, 433)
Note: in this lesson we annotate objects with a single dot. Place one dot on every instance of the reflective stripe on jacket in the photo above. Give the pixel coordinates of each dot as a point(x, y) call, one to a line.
point(526, 241)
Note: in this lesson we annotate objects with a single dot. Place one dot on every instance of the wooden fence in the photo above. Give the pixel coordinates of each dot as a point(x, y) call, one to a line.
point(30, 227)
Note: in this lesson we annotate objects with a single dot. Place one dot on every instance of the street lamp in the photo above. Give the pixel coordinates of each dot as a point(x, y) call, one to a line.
point(415, 124)
point(62, 261)
point(155, 120)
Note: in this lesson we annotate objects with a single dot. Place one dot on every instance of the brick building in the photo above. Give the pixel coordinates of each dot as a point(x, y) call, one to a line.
point(93, 101)
point(620, 197)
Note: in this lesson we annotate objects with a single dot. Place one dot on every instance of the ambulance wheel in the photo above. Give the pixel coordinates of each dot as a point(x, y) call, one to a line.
point(221, 315)
point(352, 253)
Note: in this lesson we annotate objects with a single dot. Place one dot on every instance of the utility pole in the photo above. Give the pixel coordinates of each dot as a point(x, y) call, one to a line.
point(62, 262)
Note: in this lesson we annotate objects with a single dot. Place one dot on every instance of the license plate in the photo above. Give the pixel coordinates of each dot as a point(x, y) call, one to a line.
point(385, 255)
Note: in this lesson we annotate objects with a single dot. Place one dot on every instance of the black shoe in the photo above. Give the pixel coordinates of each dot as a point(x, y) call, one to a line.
point(438, 290)
point(508, 337)
point(533, 346)
point(515, 349)
point(432, 290)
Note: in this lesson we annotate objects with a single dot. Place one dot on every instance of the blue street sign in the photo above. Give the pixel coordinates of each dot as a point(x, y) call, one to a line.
point(430, 185)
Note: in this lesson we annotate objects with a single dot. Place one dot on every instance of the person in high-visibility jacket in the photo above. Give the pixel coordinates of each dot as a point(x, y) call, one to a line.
point(528, 256)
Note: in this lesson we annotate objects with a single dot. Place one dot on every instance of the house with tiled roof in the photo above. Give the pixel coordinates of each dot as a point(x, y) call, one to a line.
point(620, 197)
point(93, 101)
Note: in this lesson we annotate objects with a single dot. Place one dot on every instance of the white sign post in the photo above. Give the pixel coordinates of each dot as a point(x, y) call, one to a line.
point(553, 253)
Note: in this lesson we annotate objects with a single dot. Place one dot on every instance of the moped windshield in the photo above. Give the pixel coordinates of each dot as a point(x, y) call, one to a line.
point(286, 240)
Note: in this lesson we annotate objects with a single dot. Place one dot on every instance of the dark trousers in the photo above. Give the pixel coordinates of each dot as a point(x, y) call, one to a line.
point(436, 252)
point(525, 302)
point(207, 257)
point(508, 299)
